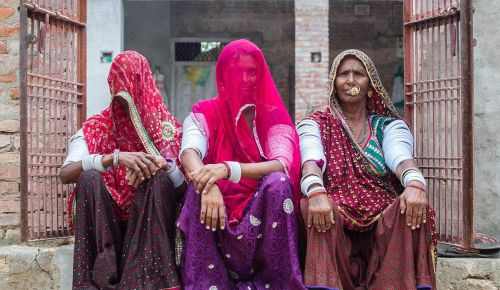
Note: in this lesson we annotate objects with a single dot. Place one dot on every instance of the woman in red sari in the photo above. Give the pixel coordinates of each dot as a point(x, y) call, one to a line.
point(123, 207)
point(369, 225)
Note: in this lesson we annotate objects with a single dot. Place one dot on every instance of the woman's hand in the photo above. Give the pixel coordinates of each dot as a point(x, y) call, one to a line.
point(140, 166)
point(414, 203)
point(205, 177)
point(212, 209)
point(320, 213)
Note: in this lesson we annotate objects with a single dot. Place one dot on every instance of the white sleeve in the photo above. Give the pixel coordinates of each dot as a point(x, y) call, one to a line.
point(397, 144)
point(311, 146)
point(77, 148)
point(192, 138)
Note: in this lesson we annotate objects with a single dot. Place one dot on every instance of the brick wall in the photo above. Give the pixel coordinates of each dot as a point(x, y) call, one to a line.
point(311, 35)
point(270, 24)
point(9, 122)
point(375, 34)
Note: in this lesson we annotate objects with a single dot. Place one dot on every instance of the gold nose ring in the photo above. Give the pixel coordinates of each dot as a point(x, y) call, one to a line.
point(355, 90)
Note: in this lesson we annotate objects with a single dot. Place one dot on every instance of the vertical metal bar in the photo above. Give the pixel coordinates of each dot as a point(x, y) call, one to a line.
point(459, 137)
point(23, 55)
point(435, 85)
point(64, 75)
point(30, 141)
point(43, 153)
point(467, 118)
point(437, 190)
point(50, 131)
point(408, 59)
point(446, 124)
point(57, 124)
point(82, 60)
point(37, 134)
point(427, 107)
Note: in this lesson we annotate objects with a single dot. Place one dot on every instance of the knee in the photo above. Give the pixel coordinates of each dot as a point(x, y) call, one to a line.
point(161, 177)
point(276, 178)
point(279, 183)
point(89, 178)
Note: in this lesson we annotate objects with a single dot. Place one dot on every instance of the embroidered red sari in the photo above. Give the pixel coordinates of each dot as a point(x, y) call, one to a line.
point(149, 128)
point(370, 245)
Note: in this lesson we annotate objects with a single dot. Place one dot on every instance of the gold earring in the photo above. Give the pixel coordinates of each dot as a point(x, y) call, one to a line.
point(370, 93)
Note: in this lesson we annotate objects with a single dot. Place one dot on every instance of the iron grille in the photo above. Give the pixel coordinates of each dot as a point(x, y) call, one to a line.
point(53, 65)
point(437, 96)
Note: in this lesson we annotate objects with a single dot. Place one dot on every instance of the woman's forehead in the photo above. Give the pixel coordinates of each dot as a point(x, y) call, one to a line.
point(243, 59)
point(351, 62)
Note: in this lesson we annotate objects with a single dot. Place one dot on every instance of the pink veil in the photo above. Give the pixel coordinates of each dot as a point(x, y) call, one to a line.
point(273, 136)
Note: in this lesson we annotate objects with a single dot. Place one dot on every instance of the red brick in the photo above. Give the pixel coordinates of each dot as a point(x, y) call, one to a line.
point(8, 30)
point(10, 171)
point(3, 47)
point(9, 126)
point(9, 219)
point(10, 205)
point(14, 94)
point(6, 13)
point(8, 77)
point(8, 188)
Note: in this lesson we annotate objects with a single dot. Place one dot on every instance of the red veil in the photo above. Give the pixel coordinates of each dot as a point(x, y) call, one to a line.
point(150, 128)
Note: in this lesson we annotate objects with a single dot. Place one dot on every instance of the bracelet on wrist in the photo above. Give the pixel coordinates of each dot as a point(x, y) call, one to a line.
point(416, 184)
point(116, 156)
point(316, 194)
point(228, 170)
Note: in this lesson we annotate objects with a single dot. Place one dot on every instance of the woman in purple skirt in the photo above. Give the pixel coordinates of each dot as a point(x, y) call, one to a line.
point(240, 150)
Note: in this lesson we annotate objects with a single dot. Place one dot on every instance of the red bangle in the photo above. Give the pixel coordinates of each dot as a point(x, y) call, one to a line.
point(228, 175)
point(416, 185)
point(315, 194)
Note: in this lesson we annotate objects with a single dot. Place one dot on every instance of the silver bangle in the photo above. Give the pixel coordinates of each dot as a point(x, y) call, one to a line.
point(235, 168)
point(116, 156)
point(174, 173)
point(309, 180)
point(93, 161)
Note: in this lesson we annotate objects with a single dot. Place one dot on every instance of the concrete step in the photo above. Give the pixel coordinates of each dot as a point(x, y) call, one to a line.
point(25, 267)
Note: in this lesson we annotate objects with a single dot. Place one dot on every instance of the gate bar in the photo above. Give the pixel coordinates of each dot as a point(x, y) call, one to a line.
point(467, 117)
point(35, 9)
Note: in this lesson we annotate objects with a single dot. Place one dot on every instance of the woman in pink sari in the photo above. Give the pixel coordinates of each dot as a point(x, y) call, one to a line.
point(240, 150)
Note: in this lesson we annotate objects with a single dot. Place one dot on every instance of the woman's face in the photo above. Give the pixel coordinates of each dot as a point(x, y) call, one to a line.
point(351, 71)
point(122, 104)
point(243, 76)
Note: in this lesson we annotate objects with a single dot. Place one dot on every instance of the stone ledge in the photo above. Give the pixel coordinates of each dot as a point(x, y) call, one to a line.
point(468, 273)
point(25, 267)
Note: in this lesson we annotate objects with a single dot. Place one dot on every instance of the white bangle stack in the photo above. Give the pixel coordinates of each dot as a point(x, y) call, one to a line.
point(235, 169)
point(309, 180)
point(174, 173)
point(412, 174)
point(93, 162)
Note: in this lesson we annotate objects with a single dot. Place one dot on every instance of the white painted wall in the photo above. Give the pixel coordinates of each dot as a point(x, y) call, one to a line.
point(104, 33)
point(486, 117)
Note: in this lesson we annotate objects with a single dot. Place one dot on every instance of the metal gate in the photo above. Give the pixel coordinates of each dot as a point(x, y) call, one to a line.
point(438, 98)
point(52, 109)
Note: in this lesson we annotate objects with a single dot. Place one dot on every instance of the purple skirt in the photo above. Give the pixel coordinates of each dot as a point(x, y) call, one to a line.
point(258, 253)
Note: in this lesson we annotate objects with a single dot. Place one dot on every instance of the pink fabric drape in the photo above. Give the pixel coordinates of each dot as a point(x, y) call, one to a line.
point(243, 80)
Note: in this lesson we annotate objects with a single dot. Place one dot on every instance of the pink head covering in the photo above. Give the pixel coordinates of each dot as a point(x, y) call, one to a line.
point(244, 80)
